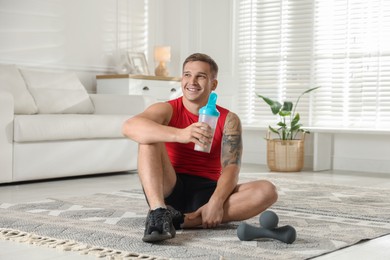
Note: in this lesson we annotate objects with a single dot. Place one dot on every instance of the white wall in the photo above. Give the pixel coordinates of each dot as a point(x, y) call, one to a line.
point(197, 26)
point(355, 151)
point(82, 35)
point(74, 35)
point(362, 152)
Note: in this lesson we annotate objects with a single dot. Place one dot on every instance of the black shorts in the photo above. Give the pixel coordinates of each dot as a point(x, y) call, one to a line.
point(190, 192)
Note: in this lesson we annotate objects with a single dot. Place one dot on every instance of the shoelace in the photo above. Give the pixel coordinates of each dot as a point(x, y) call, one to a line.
point(159, 218)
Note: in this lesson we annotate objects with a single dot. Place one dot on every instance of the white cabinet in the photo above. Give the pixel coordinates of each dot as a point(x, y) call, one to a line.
point(161, 88)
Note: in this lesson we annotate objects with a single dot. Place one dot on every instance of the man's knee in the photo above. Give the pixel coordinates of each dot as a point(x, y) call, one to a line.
point(151, 147)
point(150, 152)
point(268, 191)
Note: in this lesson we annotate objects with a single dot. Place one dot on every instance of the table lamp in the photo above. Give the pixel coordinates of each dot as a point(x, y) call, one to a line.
point(162, 54)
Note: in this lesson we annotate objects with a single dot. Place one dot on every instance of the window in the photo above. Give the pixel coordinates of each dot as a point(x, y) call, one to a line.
point(286, 47)
point(132, 25)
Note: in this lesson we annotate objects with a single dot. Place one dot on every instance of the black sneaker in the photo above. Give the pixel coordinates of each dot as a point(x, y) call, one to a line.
point(177, 217)
point(158, 226)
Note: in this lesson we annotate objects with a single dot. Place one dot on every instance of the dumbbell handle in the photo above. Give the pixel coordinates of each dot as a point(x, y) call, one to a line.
point(246, 232)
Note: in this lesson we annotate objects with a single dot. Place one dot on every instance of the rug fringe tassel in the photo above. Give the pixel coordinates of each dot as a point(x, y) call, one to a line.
point(70, 245)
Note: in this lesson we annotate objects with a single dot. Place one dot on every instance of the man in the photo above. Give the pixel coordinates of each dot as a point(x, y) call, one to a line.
point(175, 178)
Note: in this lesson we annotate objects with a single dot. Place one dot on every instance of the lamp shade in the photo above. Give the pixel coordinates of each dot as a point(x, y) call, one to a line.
point(162, 53)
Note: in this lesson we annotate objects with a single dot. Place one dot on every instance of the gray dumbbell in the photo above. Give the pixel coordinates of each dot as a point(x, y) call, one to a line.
point(268, 221)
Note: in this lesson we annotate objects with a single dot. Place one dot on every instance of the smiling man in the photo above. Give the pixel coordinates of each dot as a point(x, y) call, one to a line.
point(183, 187)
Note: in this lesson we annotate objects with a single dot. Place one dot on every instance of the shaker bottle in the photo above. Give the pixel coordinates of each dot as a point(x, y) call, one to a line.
point(209, 115)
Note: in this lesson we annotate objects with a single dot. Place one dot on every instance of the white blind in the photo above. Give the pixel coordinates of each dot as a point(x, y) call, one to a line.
point(286, 47)
point(132, 23)
point(352, 63)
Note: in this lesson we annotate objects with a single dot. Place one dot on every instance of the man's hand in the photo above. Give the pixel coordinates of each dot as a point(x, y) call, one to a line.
point(211, 215)
point(198, 133)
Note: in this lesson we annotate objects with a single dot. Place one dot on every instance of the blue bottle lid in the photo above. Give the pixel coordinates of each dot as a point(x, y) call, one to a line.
point(211, 108)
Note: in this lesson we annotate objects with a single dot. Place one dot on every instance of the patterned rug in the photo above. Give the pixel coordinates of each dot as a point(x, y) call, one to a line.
point(326, 218)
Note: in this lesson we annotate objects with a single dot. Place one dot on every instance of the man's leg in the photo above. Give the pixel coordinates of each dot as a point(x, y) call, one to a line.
point(156, 173)
point(157, 178)
point(248, 200)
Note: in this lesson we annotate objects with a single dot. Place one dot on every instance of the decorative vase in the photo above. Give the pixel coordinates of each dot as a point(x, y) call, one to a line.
point(285, 155)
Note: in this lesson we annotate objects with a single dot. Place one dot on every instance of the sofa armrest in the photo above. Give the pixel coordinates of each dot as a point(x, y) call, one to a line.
point(120, 104)
point(6, 136)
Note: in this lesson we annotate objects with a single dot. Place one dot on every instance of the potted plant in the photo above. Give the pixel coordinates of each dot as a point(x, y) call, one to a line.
point(286, 153)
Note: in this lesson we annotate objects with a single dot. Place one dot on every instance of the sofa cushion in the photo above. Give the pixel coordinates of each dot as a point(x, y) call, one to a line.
point(58, 93)
point(12, 81)
point(45, 127)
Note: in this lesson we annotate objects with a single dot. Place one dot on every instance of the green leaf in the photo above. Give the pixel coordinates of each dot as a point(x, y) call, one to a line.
point(283, 113)
point(309, 90)
point(287, 106)
point(273, 130)
point(295, 120)
point(266, 100)
point(295, 127)
point(274, 105)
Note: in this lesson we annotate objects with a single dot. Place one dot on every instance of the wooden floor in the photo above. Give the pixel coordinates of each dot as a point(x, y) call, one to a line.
point(377, 249)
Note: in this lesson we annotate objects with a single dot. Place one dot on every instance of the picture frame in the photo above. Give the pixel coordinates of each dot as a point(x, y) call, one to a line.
point(138, 63)
point(122, 63)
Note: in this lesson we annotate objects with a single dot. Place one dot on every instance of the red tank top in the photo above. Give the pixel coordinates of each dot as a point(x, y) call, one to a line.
point(183, 157)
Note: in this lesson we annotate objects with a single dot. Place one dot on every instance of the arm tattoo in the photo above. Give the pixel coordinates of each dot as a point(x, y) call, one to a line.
point(232, 141)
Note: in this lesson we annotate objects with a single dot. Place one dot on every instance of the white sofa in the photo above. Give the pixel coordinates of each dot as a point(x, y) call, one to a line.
point(51, 127)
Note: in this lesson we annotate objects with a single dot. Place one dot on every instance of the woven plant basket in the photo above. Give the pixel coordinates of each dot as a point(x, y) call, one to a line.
point(285, 155)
